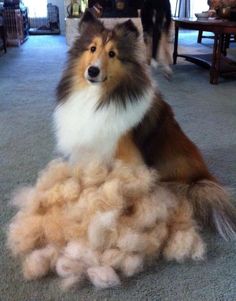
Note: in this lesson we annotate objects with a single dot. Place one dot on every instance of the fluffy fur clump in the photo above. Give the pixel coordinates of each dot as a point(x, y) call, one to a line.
point(99, 221)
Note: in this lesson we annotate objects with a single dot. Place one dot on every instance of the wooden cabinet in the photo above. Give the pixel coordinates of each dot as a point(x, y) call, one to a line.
point(17, 25)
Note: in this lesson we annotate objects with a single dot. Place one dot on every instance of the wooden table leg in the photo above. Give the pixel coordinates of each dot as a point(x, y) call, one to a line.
point(225, 43)
point(223, 49)
point(175, 53)
point(213, 62)
point(218, 58)
point(199, 38)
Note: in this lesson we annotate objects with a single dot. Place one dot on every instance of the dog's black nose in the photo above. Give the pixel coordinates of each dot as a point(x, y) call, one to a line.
point(93, 71)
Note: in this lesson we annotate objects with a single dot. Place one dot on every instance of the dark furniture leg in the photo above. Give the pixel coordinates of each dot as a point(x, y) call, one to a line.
point(225, 44)
point(213, 62)
point(199, 38)
point(216, 58)
point(175, 53)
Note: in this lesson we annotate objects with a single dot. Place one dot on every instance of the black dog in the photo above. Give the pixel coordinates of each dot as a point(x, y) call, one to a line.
point(156, 20)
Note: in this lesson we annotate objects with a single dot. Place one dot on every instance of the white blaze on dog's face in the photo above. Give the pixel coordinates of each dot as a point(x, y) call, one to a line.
point(98, 59)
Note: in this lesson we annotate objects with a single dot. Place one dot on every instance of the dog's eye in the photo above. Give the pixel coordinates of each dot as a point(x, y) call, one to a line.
point(93, 49)
point(111, 53)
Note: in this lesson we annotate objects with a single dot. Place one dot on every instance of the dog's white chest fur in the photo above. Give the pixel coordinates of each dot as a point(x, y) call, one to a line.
point(84, 132)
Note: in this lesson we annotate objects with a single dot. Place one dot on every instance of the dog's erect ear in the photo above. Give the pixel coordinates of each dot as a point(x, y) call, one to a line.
point(88, 19)
point(127, 28)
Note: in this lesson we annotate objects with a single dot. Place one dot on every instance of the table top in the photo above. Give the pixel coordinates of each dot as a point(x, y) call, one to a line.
point(210, 22)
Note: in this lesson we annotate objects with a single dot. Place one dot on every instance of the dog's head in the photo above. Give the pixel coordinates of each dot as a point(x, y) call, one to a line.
point(106, 57)
point(100, 54)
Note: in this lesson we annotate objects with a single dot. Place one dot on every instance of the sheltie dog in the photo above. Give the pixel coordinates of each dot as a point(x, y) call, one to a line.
point(108, 108)
point(156, 22)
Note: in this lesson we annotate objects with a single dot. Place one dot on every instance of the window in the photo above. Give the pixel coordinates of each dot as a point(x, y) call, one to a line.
point(197, 6)
point(173, 6)
point(36, 8)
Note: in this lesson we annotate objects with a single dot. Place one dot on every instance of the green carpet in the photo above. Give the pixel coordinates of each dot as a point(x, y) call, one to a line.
point(28, 77)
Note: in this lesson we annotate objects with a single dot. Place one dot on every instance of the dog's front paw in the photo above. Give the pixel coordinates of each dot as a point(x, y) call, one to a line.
point(184, 244)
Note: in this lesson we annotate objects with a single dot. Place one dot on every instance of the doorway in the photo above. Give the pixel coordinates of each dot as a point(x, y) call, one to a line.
point(43, 17)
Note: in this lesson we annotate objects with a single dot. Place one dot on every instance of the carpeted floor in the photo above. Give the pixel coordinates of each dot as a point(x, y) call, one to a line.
point(28, 77)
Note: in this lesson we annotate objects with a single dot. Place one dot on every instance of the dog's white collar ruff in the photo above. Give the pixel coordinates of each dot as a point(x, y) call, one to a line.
point(84, 132)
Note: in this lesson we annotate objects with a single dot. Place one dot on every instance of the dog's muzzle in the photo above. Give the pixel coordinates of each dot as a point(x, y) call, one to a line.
point(93, 71)
point(94, 75)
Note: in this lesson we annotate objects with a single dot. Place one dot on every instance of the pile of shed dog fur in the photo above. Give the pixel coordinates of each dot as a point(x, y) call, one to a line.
point(99, 222)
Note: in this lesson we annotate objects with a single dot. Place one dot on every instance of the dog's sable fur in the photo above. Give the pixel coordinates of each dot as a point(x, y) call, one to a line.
point(155, 135)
